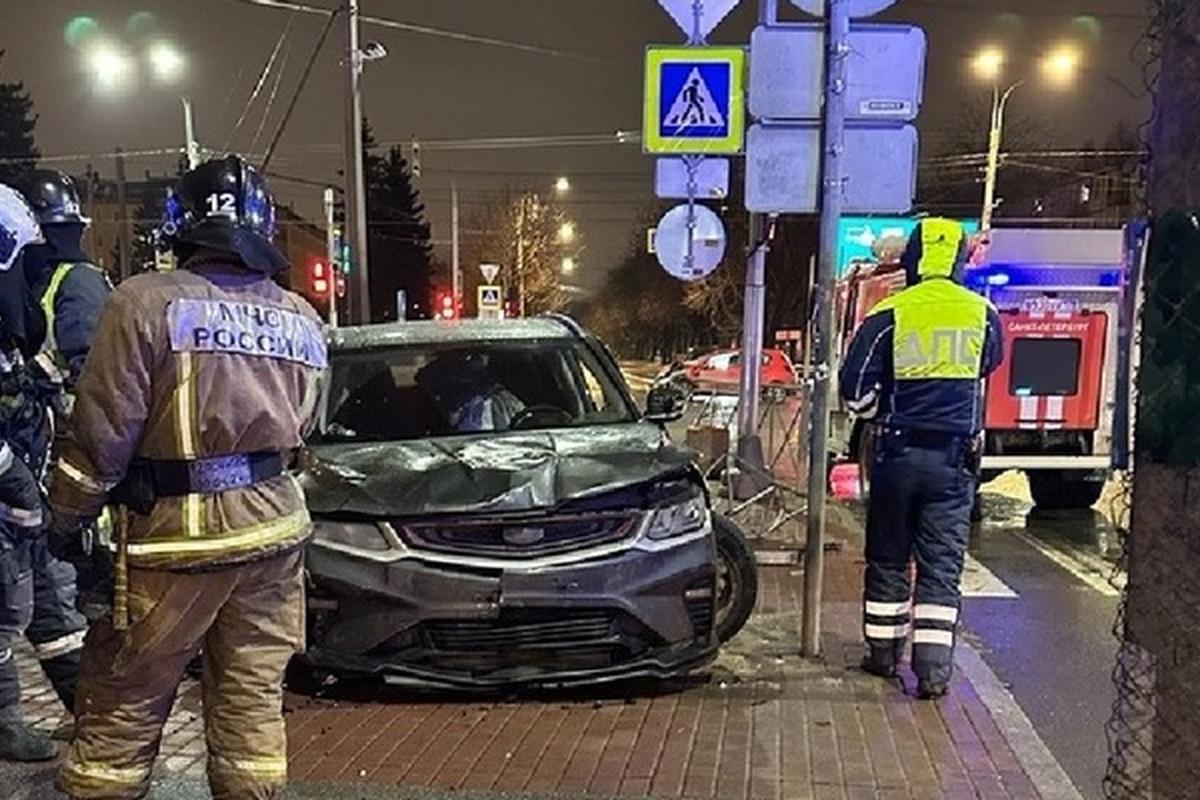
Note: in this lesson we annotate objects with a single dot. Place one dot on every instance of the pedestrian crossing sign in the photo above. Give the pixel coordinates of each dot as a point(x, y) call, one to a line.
point(491, 297)
point(695, 100)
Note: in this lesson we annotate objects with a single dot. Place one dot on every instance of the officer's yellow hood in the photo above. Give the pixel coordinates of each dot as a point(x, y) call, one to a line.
point(936, 249)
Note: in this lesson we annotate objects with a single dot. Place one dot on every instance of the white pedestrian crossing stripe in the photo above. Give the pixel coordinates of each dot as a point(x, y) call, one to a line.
point(979, 581)
point(695, 105)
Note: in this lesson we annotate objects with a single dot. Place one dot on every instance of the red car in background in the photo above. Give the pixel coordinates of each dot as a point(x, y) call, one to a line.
point(724, 368)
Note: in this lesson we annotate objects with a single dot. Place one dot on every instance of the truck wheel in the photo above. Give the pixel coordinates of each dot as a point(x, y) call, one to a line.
point(1063, 490)
point(737, 579)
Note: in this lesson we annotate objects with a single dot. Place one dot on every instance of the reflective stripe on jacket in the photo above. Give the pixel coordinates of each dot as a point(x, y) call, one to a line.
point(72, 303)
point(920, 355)
point(192, 364)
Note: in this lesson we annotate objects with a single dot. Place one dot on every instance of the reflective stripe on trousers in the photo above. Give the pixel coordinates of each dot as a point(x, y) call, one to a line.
point(920, 510)
point(249, 621)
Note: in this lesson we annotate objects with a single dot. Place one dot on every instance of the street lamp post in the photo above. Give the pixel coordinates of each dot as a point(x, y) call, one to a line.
point(1058, 67)
point(999, 104)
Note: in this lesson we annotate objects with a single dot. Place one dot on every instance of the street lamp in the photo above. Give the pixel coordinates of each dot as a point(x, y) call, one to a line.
point(568, 265)
point(562, 185)
point(166, 62)
point(1058, 67)
point(566, 233)
point(109, 65)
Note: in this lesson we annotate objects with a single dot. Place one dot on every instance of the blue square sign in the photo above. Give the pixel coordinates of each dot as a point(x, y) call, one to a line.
point(694, 103)
point(695, 100)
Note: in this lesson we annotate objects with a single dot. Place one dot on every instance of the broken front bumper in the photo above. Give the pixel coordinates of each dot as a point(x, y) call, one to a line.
point(606, 614)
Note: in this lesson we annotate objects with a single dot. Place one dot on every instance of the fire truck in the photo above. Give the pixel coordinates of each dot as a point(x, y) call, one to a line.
point(1059, 407)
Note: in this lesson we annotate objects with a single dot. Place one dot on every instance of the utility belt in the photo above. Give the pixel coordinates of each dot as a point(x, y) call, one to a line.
point(971, 447)
point(148, 480)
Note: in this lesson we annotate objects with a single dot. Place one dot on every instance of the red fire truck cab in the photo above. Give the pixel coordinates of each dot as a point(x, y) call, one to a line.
point(1059, 406)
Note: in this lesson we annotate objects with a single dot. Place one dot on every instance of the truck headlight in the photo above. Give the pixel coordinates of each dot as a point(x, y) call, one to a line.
point(359, 535)
point(686, 515)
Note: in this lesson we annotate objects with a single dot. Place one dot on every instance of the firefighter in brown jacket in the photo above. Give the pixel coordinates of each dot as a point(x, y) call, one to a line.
point(200, 385)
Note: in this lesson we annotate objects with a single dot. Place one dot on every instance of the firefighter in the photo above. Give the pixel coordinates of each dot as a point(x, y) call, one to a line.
point(915, 369)
point(202, 384)
point(72, 289)
point(24, 443)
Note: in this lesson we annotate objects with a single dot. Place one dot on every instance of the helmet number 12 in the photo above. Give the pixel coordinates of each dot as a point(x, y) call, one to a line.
point(222, 204)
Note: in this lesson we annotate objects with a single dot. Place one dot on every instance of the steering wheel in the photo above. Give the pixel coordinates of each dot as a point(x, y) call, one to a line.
point(547, 415)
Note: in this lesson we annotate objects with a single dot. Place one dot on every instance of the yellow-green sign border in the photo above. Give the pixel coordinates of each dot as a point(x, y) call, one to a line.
point(734, 142)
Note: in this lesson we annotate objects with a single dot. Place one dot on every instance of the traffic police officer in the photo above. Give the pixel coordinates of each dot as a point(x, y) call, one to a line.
point(24, 445)
point(915, 368)
point(202, 383)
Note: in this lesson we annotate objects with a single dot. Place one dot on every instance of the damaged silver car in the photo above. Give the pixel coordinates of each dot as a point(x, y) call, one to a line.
point(492, 510)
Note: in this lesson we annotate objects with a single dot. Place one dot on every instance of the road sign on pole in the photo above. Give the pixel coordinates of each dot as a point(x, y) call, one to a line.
point(682, 178)
point(879, 168)
point(698, 18)
point(855, 9)
point(885, 72)
point(690, 242)
point(491, 302)
point(490, 271)
point(694, 100)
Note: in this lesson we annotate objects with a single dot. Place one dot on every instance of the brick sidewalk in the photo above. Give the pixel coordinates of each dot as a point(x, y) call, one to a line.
point(766, 725)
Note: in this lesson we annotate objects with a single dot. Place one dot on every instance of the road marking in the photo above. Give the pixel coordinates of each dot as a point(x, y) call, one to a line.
point(1043, 769)
point(1092, 571)
point(979, 581)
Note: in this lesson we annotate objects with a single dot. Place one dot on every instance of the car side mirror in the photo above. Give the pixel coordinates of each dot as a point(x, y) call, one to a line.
point(664, 403)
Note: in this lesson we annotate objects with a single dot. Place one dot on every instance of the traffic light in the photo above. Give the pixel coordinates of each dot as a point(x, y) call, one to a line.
point(447, 308)
point(319, 275)
point(415, 166)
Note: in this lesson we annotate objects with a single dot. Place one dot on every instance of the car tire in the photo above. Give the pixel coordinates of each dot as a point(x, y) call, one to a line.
point(1063, 490)
point(737, 579)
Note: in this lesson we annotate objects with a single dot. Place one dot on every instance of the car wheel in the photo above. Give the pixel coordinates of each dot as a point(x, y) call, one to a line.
point(737, 579)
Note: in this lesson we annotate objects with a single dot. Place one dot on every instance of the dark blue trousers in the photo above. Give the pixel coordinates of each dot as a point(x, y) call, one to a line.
point(920, 510)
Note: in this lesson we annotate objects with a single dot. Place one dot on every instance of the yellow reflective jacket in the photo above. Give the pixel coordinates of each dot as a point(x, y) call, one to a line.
point(187, 364)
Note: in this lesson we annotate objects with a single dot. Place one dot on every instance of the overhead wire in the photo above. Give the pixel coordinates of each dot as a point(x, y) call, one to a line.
point(308, 68)
point(258, 85)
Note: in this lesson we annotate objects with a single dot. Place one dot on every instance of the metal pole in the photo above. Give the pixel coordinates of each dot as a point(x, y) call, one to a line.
point(189, 133)
point(124, 246)
point(356, 193)
point(993, 163)
point(995, 138)
point(749, 447)
point(332, 254)
point(837, 12)
point(521, 258)
point(455, 263)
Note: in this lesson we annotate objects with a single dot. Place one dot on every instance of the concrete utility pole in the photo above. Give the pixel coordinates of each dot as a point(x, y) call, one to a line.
point(455, 263)
point(837, 13)
point(995, 138)
point(124, 244)
point(331, 254)
point(521, 257)
point(356, 191)
point(189, 133)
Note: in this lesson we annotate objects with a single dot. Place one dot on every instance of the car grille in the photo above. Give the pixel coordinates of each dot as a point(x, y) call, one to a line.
point(540, 640)
point(502, 634)
point(521, 538)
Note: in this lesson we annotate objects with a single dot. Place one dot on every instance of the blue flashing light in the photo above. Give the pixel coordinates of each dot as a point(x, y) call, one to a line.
point(1023, 391)
point(998, 279)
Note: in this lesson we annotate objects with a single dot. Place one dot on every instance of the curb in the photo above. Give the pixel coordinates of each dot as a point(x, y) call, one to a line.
point(1043, 769)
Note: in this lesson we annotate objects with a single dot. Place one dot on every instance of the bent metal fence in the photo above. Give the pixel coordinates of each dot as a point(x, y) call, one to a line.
point(1154, 732)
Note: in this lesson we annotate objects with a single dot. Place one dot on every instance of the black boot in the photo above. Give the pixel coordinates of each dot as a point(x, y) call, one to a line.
point(932, 690)
point(19, 742)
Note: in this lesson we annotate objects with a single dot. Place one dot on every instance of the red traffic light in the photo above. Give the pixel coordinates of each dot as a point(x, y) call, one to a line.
point(319, 275)
point(447, 308)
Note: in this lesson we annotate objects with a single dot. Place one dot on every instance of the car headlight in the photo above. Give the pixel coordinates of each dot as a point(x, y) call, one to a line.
point(359, 535)
point(686, 515)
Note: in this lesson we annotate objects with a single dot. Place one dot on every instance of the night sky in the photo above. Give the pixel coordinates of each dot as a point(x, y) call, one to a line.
point(439, 89)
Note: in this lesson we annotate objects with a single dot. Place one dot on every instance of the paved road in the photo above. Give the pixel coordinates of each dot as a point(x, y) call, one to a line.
point(1053, 643)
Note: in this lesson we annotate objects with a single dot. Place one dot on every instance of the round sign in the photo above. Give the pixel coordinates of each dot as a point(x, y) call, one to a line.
point(858, 8)
point(708, 242)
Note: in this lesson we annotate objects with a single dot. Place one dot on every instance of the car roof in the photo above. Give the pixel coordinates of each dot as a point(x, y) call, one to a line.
point(392, 334)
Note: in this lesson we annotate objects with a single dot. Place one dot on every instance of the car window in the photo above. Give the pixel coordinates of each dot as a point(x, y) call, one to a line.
point(427, 390)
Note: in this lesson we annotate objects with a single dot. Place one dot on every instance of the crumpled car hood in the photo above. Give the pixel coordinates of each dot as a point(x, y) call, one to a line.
point(494, 473)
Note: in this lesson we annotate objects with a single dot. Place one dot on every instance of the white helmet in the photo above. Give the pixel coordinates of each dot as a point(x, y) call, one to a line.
point(18, 226)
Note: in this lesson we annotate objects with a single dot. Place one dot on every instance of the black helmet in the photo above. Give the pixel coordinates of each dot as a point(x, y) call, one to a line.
point(224, 205)
point(52, 196)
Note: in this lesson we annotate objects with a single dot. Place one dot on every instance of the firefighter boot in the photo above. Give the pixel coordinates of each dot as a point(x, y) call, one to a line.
point(19, 742)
